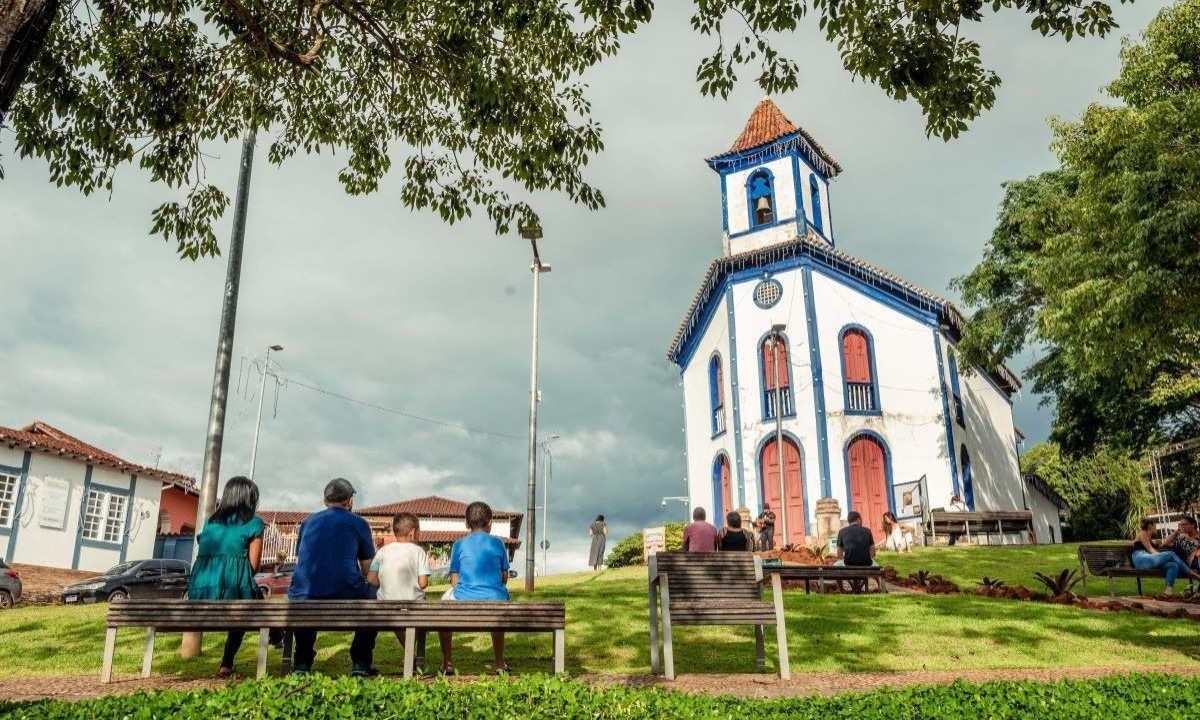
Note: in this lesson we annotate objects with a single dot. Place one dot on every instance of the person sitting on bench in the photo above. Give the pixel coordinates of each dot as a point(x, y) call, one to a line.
point(733, 536)
point(478, 571)
point(1185, 543)
point(1146, 557)
point(855, 544)
point(400, 570)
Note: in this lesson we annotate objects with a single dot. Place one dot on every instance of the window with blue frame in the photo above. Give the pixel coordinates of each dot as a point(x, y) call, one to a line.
point(860, 386)
point(716, 392)
point(814, 192)
point(776, 378)
point(955, 393)
point(760, 197)
point(968, 479)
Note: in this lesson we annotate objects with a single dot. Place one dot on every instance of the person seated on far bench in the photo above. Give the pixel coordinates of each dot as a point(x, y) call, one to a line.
point(855, 544)
point(733, 536)
point(1148, 557)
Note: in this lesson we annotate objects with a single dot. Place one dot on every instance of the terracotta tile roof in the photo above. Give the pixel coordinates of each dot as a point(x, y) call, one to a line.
point(432, 506)
point(449, 536)
point(283, 517)
point(825, 254)
point(767, 124)
point(49, 439)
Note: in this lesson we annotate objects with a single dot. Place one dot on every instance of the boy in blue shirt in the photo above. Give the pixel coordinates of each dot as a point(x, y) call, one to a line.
point(478, 571)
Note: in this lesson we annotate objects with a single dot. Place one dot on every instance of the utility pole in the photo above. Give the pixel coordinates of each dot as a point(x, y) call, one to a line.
point(547, 474)
point(776, 341)
point(262, 389)
point(533, 233)
point(210, 477)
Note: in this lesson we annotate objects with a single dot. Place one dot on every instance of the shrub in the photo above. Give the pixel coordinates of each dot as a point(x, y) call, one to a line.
point(628, 552)
point(1107, 490)
point(1131, 697)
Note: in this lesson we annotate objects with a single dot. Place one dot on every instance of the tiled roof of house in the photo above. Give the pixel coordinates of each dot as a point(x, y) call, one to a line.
point(449, 536)
point(1037, 482)
point(432, 506)
point(825, 254)
point(285, 517)
point(767, 124)
point(46, 438)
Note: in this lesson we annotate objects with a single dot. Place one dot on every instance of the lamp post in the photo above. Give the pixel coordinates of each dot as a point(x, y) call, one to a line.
point(533, 233)
point(547, 474)
point(262, 389)
point(776, 340)
point(679, 499)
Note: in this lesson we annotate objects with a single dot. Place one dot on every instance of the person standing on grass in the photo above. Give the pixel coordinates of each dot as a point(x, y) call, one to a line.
point(333, 554)
point(1147, 557)
point(478, 572)
point(598, 530)
point(230, 550)
point(856, 545)
point(699, 535)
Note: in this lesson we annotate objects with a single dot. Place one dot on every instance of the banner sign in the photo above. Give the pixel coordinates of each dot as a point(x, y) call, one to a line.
point(653, 540)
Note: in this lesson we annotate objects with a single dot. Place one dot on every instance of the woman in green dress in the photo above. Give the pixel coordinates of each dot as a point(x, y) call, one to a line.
point(229, 555)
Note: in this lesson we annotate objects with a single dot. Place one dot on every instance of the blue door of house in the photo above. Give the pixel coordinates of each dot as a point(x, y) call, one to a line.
point(968, 485)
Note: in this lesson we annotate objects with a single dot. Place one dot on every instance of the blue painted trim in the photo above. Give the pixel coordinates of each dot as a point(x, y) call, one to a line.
point(818, 383)
point(887, 467)
point(767, 281)
point(968, 477)
point(759, 154)
point(937, 346)
point(766, 226)
point(87, 485)
point(724, 206)
point(809, 518)
point(112, 489)
point(100, 545)
point(921, 316)
point(22, 474)
point(762, 376)
point(759, 172)
point(800, 211)
point(829, 211)
point(128, 517)
point(870, 360)
point(735, 398)
point(718, 505)
point(956, 389)
point(814, 193)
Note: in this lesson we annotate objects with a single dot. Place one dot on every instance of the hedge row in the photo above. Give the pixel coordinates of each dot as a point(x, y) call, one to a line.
point(1131, 697)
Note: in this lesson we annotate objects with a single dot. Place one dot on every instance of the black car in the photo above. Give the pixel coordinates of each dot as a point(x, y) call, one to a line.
point(134, 579)
point(10, 586)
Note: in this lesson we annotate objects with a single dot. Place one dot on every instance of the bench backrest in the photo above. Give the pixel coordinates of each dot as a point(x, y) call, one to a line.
point(982, 516)
point(701, 576)
point(1098, 558)
point(181, 615)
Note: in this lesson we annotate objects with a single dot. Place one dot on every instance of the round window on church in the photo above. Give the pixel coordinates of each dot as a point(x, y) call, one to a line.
point(767, 293)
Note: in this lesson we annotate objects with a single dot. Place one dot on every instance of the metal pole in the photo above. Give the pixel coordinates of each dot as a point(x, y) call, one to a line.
point(783, 510)
point(262, 389)
point(546, 474)
point(531, 494)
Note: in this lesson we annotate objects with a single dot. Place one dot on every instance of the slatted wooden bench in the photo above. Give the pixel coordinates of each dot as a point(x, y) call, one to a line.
point(858, 577)
point(337, 615)
point(713, 588)
point(981, 522)
point(1112, 562)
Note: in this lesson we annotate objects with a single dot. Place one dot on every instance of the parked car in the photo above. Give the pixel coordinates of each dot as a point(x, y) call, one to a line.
point(10, 586)
point(277, 581)
point(134, 579)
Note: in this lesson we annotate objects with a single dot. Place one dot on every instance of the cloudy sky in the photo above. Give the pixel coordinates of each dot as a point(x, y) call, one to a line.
point(112, 338)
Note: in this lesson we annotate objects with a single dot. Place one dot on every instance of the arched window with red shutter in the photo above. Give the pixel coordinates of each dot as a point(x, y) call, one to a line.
point(775, 372)
point(716, 394)
point(860, 386)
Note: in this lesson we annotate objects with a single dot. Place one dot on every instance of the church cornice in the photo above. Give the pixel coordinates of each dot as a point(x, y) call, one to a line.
point(799, 141)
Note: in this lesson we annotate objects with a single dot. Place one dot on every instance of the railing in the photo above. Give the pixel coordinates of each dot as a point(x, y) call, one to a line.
point(785, 397)
point(718, 421)
point(277, 544)
point(860, 396)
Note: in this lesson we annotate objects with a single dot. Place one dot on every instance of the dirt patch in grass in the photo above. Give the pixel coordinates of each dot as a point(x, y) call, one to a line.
point(42, 585)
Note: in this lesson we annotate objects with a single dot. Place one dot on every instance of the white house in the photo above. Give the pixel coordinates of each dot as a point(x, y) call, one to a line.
point(857, 365)
point(67, 504)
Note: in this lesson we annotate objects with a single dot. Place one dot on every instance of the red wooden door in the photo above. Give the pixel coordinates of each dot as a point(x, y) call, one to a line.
point(868, 482)
point(793, 485)
point(726, 493)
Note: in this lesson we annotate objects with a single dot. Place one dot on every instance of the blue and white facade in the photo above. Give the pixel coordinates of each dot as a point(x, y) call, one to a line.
point(865, 376)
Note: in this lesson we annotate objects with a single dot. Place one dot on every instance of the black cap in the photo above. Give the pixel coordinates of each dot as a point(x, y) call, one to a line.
point(338, 490)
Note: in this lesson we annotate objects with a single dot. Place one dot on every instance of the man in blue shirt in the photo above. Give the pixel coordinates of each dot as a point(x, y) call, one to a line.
point(333, 553)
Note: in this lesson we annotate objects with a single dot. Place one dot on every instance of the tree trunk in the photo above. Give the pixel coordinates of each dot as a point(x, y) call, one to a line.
point(24, 25)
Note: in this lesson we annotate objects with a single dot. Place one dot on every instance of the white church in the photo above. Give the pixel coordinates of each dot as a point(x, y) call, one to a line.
point(855, 368)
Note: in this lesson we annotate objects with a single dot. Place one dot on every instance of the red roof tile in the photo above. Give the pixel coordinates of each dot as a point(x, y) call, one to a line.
point(284, 517)
point(449, 536)
point(47, 438)
point(767, 124)
point(432, 506)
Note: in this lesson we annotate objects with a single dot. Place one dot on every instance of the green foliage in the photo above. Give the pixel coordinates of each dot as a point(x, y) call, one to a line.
point(1095, 264)
point(1130, 697)
point(1106, 489)
point(628, 552)
point(1061, 584)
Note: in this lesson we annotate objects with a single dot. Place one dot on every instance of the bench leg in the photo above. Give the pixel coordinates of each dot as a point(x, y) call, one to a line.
point(422, 635)
point(1112, 587)
point(668, 648)
point(560, 651)
point(785, 667)
point(287, 652)
point(760, 650)
point(1139, 584)
point(410, 651)
point(653, 605)
point(110, 647)
point(264, 644)
point(148, 655)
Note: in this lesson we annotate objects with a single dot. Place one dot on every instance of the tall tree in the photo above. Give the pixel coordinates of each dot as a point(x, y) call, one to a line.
point(484, 96)
point(1096, 265)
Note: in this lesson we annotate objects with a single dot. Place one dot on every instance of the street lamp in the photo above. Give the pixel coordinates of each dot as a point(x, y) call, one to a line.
point(679, 499)
point(547, 474)
point(262, 389)
point(777, 340)
point(533, 233)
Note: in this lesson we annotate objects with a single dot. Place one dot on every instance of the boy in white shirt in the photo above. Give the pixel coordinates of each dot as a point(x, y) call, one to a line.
point(400, 569)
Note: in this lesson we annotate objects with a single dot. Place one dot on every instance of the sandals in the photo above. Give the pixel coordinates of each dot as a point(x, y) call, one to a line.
point(502, 669)
point(447, 670)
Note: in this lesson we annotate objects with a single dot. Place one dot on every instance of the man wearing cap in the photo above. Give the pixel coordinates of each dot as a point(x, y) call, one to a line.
point(333, 552)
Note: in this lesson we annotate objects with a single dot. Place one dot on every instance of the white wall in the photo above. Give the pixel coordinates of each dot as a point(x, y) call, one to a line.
point(787, 213)
point(735, 194)
point(806, 198)
point(1045, 517)
point(701, 447)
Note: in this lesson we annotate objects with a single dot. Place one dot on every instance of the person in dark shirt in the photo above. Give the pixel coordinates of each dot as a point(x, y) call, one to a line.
point(333, 552)
point(733, 536)
point(856, 545)
point(765, 525)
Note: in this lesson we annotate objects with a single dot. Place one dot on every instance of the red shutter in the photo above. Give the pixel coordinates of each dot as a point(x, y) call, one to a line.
point(856, 357)
point(780, 352)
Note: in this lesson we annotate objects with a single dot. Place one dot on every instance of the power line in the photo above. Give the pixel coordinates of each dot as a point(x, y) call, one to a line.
point(392, 411)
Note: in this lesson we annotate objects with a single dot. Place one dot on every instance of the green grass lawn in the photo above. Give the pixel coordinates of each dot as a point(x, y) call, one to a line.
point(607, 632)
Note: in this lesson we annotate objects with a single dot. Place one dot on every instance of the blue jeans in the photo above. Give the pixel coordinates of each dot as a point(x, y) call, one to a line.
point(1167, 561)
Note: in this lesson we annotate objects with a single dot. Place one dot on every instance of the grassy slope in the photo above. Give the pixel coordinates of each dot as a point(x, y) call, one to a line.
point(607, 633)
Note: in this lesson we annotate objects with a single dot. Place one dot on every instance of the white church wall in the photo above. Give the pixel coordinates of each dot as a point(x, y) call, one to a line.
point(991, 440)
point(823, 191)
point(1047, 524)
point(785, 196)
point(701, 446)
point(909, 394)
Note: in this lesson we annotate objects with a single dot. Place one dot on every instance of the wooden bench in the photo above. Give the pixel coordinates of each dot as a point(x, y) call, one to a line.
point(1112, 562)
point(713, 588)
point(336, 615)
point(858, 577)
point(982, 522)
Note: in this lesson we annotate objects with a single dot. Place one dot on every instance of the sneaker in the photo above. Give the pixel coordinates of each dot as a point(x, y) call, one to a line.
point(224, 672)
point(364, 671)
point(301, 669)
